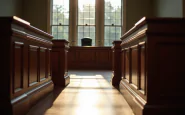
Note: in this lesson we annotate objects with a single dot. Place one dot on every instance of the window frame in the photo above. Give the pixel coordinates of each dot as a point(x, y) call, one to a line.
point(99, 21)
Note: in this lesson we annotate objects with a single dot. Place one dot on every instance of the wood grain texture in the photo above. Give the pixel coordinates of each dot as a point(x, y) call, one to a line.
point(60, 63)
point(20, 43)
point(116, 65)
point(89, 58)
point(155, 51)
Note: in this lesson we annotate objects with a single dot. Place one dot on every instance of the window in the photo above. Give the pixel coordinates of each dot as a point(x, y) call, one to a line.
point(112, 21)
point(86, 20)
point(60, 19)
point(101, 20)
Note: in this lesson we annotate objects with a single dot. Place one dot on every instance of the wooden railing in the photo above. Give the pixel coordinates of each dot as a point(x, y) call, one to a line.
point(153, 66)
point(95, 58)
point(25, 63)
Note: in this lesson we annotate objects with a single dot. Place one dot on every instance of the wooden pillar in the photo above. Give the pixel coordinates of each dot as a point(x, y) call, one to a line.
point(59, 62)
point(116, 65)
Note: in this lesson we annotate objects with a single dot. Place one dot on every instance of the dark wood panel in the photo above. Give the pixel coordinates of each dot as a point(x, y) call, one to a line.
point(55, 63)
point(43, 63)
point(134, 62)
point(89, 58)
point(142, 71)
point(86, 56)
point(123, 63)
point(160, 64)
point(20, 61)
point(18, 66)
point(127, 65)
point(100, 57)
point(49, 63)
point(169, 57)
point(33, 65)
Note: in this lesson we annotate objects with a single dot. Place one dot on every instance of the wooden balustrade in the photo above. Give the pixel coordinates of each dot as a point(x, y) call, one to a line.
point(60, 75)
point(95, 58)
point(153, 66)
point(25, 65)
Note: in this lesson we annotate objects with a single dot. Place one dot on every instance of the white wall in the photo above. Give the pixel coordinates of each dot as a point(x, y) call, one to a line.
point(168, 8)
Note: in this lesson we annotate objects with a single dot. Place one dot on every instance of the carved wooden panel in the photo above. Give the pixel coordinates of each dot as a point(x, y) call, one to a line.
point(134, 66)
point(123, 63)
point(142, 66)
point(127, 65)
point(49, 63)
point(66, 60)
point(18, 66)
point(33, 65)
point(42, 63)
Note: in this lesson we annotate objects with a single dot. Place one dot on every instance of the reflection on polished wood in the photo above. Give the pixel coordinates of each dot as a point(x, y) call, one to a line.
point(89, 93)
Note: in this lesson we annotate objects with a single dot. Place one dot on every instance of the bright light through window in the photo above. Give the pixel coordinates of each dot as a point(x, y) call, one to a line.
point(60, 19)
point(86, 20)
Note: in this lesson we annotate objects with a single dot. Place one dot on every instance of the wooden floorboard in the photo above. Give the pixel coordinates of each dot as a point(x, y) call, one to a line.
point(89, 93)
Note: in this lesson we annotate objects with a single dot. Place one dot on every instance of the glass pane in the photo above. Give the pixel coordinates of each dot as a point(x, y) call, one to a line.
point(80, 29)
point(112, 19)
point(86, 15)
point(80, 22)
point(118, 30)
point(118, 15)
point(54, 29)
point(66, 35)
point(92, 22)
point(66, 21)
point(86, 28)
point(92, 15)
point(92, 29)
point(60, 18)
point(107, 22)
point(118, 22)
point(66, 28)
point(92, 35)
point(60, 29)
point(86, 34)
point(86, 21)
point(55, 35)
point(60, 35)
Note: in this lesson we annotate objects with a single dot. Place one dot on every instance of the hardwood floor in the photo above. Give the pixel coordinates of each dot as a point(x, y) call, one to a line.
point(89, 93)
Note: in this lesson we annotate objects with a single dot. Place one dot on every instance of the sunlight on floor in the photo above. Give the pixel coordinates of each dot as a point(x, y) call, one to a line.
point(89, 95)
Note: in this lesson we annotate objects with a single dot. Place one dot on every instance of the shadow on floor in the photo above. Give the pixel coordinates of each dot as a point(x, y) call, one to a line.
point(45, 103)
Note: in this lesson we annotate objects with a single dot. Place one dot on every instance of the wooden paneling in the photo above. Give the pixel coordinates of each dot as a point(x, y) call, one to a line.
point(18, 66)
point(127, 65)
point(23, 64)
point(89, 58)
point(86, 56)
point(134, 73)
point(142, 69)
point(33, 65)
point(154, 65)
point(43, 62)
